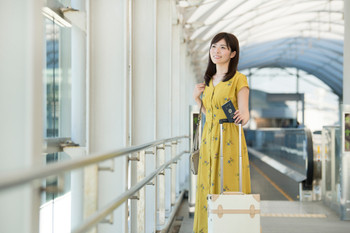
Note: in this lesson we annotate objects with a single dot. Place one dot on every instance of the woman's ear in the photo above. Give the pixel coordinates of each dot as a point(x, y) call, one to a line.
point(233, 54)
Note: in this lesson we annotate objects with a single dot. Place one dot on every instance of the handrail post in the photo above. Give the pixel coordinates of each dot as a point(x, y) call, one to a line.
point(91, 193)
point(140, 203)
point(137, 206)
point(160, 187)
point(151, 192)
point(168, 173)
point(173, 174)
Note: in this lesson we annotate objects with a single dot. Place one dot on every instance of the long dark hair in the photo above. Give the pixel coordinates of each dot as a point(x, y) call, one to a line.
point(233, 44)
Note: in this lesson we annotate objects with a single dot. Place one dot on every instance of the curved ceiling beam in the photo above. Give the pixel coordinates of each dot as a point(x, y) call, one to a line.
point(325, 45)
point(260, 14)
point(202, 44)
point(325, 63)
point(317, 56)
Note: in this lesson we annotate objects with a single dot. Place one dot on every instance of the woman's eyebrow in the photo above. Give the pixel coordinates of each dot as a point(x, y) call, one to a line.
point(220, 44)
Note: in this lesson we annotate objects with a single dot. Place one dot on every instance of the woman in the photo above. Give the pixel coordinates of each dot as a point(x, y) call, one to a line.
point(222, 82)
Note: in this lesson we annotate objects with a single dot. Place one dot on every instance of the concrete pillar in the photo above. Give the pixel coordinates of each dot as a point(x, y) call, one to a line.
point(188, 100)
point(175, 82)
point(21, 91)
point(164, 40)
point(345, 175)
point(184, 109)
point(163, 66)
point(175, 85)
point(107, 101)
point(144, 91)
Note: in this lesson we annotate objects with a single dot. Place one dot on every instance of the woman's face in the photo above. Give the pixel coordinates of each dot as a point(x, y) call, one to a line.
point(220, 53)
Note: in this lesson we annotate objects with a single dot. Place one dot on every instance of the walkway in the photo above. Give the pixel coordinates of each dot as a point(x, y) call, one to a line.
point(278, 215)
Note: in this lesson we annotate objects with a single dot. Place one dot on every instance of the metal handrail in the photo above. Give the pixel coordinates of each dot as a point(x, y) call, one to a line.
point(103, 212)
point(12, 179)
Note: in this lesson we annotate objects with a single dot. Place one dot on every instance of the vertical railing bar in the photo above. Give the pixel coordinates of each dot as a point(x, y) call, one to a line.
point(173, 175)
point(141, 165)
point(160, 187)
point(168, 181)
point(155, 191)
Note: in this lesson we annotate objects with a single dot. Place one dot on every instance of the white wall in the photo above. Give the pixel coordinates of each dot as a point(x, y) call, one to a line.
point(21, 60)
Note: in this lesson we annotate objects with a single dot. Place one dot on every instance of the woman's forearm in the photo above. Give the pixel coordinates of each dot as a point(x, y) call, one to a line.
point(243, 105)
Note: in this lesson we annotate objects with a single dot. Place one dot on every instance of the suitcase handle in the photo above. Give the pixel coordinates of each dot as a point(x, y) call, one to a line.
point(221, 122)
point(224, 121)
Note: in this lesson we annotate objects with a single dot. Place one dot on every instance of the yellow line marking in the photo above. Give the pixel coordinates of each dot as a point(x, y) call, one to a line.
point(273, 183)
point(284, 215)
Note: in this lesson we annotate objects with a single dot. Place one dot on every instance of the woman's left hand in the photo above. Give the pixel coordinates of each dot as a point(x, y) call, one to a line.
point(240, 117)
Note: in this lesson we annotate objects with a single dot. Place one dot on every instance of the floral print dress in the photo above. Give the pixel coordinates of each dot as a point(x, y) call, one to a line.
point(208, 180)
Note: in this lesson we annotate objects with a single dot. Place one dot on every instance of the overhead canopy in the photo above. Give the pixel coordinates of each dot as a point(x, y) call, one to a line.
point(307, 35)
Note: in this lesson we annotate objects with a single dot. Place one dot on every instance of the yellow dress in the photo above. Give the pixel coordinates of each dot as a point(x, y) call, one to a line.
point(208, 180)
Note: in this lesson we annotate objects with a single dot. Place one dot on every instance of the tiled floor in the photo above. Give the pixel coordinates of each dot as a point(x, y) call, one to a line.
point(305, 217)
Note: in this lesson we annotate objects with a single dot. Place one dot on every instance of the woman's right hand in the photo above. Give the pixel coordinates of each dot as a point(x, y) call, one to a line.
point(198, 89)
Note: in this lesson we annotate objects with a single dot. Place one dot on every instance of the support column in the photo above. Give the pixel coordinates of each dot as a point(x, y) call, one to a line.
point(188, 99)
point(164, 59)
point(144, 91)
point(175, 76)
point(345, 175)
point(184, 97)
point(164, 40)
point(107, 101)
point(175, 90)
point(21, 91)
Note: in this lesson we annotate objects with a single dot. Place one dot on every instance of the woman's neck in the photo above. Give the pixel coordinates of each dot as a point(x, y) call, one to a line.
point(221, 70)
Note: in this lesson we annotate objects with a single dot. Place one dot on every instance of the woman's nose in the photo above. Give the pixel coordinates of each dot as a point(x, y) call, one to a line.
point(217, 50)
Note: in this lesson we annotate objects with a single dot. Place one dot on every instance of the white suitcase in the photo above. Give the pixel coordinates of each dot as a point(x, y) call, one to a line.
point(233, 212)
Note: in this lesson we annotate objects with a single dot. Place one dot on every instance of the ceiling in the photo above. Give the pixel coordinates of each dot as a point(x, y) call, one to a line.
point(307, 35)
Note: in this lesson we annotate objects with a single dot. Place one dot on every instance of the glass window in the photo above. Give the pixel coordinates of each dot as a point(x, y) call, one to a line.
point(57, 80)
point(57, 95)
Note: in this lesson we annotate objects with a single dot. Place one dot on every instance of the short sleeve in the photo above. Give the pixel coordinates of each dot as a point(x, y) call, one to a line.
point(241, 82)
